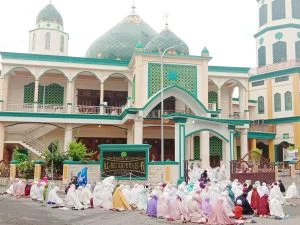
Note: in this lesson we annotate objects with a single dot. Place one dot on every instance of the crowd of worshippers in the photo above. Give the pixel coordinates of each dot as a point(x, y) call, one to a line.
point(202, 201)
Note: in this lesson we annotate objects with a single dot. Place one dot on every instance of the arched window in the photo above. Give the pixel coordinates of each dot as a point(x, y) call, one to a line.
point(297, 49)
point(62, 43)
point(262, 56)
point(47, 40)
point(279, 52)
point(296, 9)
point(263, 15)
point(288, 101)
point(278, 9)
point(33, 41)
point(196, 147)
point(261, 105)
point(277, 102)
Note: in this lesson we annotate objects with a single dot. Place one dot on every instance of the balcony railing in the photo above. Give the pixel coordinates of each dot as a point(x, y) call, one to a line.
point(274, 67)
point(51, 108)
point(83, 109)
point(262, 128)
point(25, 107)
point(155, 114)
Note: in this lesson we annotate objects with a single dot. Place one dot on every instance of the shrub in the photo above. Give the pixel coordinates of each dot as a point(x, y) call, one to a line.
point(58, 158)
point(26, 170)
point(77, 151)
point(20, 154)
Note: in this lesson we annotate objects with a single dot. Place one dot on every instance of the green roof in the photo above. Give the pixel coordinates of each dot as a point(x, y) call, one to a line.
point(167, 39)
point(120, 41)
point(205, 50)
point(49, 14)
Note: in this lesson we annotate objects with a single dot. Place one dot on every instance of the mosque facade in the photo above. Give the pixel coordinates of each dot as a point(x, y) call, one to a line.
point(113, 95)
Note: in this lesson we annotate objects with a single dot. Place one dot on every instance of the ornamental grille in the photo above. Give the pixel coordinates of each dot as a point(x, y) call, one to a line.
point(258, 83)
point(213, 97)
point(296, 9)
point(54, 94)
point(277, 102)
point(196, 148)
point(29, 93)
point(262, 56)
point(186, 77)
point(281, 79)
point(288, 100)
point(261, 105)
point(297, 50)
point(263, 15)
point(279, 52)
point(278, 9)
point(215, 147)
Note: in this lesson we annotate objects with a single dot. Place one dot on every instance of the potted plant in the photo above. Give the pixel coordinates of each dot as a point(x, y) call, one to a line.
point(77, 151)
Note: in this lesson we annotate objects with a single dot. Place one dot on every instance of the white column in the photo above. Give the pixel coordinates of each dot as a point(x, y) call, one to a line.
point(130, 134)
point(138, 131)
point(244, 143)
point(227, 158)
point(204, 149)
point(101, 98)
point(242, 101)
point(219, 98)
point(68, 136)
point(70, 90)
point(180, 145)
point(1, 93)
point(2, 136)
point(36, 96)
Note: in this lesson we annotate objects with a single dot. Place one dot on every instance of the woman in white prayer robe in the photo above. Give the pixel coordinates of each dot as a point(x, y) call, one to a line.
point(40, 196)
point(196, 215)
point(214, 195)
point(78, 191)
point(53, 197)
point(86, 196)
point(143, 198)
point(127, 193)
point(134, 195)
point(10, 189)
point(228, 206)
point(97, 196)
point(292, 191)
point(276, 208)
point(108, 188)
point(72, 200)
point(34, 191)
point(275, 190)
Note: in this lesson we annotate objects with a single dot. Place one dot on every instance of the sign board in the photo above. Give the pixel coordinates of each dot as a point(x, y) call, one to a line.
point(124, 161)
point(290, 155)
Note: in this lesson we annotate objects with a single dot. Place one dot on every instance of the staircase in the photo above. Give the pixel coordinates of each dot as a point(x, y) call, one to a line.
point(40, 130)
point(32, 144)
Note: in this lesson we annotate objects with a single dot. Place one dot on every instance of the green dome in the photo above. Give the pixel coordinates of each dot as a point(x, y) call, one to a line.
point(49, 14)
point(120, 41)
point(167, 39)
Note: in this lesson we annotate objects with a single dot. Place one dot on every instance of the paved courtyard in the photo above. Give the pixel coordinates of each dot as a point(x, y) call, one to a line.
point(27, 212)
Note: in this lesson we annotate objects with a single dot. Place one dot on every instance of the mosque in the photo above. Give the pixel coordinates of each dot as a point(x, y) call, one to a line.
point(117, 94)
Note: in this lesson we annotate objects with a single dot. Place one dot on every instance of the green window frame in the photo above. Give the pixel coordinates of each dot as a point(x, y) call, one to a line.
point(281, 79)
point(47, 40)
point(54, 94)
point(258, 83)
point(296, 9)
point(288, 102)
point(133, 89)
point(262, 56)
point(297, 49)
point(263, 14)
point(277, 102)
point(215, 147)
point(279, 52)
point(62, 43)
point(278, 10)
point(261, 105)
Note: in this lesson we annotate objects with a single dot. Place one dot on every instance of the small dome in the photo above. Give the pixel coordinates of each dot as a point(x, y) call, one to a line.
point(167, 39)
point(49, 14)
point(120, 41)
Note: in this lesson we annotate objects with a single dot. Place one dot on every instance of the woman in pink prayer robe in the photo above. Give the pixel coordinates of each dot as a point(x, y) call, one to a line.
point(163, 206)
point(20, 191)
point(194, 210)
point(176, 209)
point(219, 216)
point(206, 206)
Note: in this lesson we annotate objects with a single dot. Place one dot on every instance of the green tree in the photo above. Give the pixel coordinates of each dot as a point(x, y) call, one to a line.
point(58, 158)
point(77, 151)
point(26, 170)
point(19, 154)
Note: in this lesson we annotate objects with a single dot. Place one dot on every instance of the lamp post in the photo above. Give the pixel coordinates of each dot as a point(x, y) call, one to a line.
point(162, 98)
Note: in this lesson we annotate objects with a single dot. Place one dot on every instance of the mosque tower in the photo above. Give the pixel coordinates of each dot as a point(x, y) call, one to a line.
point(49, 37)
point(278, 37)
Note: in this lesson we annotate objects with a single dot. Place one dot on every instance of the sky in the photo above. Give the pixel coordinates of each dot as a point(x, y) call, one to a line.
point(225, 27)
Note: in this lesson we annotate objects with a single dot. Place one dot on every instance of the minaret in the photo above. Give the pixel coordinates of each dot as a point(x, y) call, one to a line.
point(278, 37)
point(49, 37)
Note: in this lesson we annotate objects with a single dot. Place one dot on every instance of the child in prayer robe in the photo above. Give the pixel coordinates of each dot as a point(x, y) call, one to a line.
point(238, 210)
